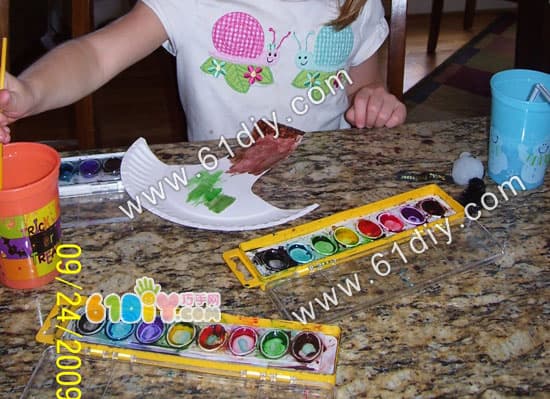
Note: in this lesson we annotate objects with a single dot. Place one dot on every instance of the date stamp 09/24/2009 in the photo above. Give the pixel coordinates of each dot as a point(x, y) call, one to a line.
point(68, 361)
point(128, 308)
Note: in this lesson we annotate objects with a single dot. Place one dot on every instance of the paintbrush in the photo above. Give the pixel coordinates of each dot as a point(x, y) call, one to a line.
point(539, 89)
point(2, 81)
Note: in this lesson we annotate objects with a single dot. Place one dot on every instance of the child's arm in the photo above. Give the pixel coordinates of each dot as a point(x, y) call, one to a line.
point(78, 67)
point(371, 104)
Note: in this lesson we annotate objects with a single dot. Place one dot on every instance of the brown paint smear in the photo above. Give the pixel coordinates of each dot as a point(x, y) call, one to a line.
point(267, 151)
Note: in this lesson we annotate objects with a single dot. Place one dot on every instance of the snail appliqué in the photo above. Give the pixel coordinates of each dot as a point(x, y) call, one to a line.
point(241, 55)
point(330, 54)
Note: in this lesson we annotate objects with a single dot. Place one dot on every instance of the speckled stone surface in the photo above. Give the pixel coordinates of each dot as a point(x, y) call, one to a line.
point(483, 333)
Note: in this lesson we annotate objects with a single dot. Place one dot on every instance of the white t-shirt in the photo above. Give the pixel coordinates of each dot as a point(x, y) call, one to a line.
point(241, 60)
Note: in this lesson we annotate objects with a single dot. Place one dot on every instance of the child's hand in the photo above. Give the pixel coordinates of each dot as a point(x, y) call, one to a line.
point(373, 106)
point(15, 102)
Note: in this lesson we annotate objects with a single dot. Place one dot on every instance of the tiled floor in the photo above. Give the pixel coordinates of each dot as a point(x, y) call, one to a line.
point(460, 87)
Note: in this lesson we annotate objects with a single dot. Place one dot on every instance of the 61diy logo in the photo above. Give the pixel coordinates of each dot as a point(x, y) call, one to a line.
point(143, 304)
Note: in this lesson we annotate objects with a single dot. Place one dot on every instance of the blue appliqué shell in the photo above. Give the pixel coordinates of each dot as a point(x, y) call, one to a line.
point(332, 48)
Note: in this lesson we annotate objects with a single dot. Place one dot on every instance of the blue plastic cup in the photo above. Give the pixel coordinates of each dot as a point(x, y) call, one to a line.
point(519, 143)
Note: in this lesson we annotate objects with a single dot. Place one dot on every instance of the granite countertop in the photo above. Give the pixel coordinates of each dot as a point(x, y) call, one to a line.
point(482, 333)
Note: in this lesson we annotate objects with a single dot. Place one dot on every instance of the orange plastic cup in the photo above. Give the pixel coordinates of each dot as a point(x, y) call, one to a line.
point(30, 228)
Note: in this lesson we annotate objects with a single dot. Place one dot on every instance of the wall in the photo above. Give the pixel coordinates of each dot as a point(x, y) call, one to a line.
point(106, 10)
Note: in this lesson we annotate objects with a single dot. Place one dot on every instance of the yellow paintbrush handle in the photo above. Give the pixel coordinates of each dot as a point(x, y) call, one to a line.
point(3, 65)
point(2, 82)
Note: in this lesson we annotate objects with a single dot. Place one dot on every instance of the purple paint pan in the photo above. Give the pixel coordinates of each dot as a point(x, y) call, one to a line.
point(306, 347)
point(413, 215)
point(89, 168)
point(391, 222)
point(147, 333)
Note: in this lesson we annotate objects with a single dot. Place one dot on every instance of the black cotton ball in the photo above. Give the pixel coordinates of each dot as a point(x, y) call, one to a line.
point(473, 193)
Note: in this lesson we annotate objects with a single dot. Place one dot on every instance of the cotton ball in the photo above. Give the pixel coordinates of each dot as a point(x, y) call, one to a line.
point(466, 167)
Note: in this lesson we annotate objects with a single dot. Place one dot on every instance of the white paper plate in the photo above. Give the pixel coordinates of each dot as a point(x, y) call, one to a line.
point(141, 170)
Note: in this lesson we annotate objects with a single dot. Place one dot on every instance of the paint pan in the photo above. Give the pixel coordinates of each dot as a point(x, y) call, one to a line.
point(181, 335)
point(86, 327)
point(212, 337)
point(412, 215)
point(274, 259)
point(432, 207)
point(299, 253)
point(67, 171)
point(369, 229)
point(306, 347)
point(391, 222)
point(147, 333)
point(323, 245)
point(89, 168)
point(111, 166)
point(242, 341)
point(274, 344)
point(346, 237)
point(118, 331)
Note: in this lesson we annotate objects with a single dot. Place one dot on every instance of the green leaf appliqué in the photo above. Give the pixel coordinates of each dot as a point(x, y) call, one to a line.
point(235, 77)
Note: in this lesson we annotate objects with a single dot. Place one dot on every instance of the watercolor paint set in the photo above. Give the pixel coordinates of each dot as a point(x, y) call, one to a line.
point(90, 174)
point(109, 378)
point(324, 269)
point(325, 242)
point(276, 350)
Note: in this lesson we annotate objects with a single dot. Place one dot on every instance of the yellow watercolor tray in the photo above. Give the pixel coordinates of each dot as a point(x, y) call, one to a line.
point(276, 351)
point(107, 378)
point(341, 237)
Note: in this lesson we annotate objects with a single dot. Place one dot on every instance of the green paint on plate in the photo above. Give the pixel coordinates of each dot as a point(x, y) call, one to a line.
point(220, 203)
point(206, 191)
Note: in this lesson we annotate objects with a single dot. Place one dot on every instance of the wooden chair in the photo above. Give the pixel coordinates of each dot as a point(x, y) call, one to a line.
point(5, 20)
point(84, 123)
point(81, 20)
point(396, 47)
point(435, 21)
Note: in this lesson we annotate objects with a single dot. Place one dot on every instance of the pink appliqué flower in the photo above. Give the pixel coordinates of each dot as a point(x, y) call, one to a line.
point(254, 74)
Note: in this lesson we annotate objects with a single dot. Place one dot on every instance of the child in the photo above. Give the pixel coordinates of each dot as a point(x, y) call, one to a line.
point(310, 64)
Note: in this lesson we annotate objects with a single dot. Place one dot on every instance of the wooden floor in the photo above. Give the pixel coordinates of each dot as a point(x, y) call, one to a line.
point(143, 101)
